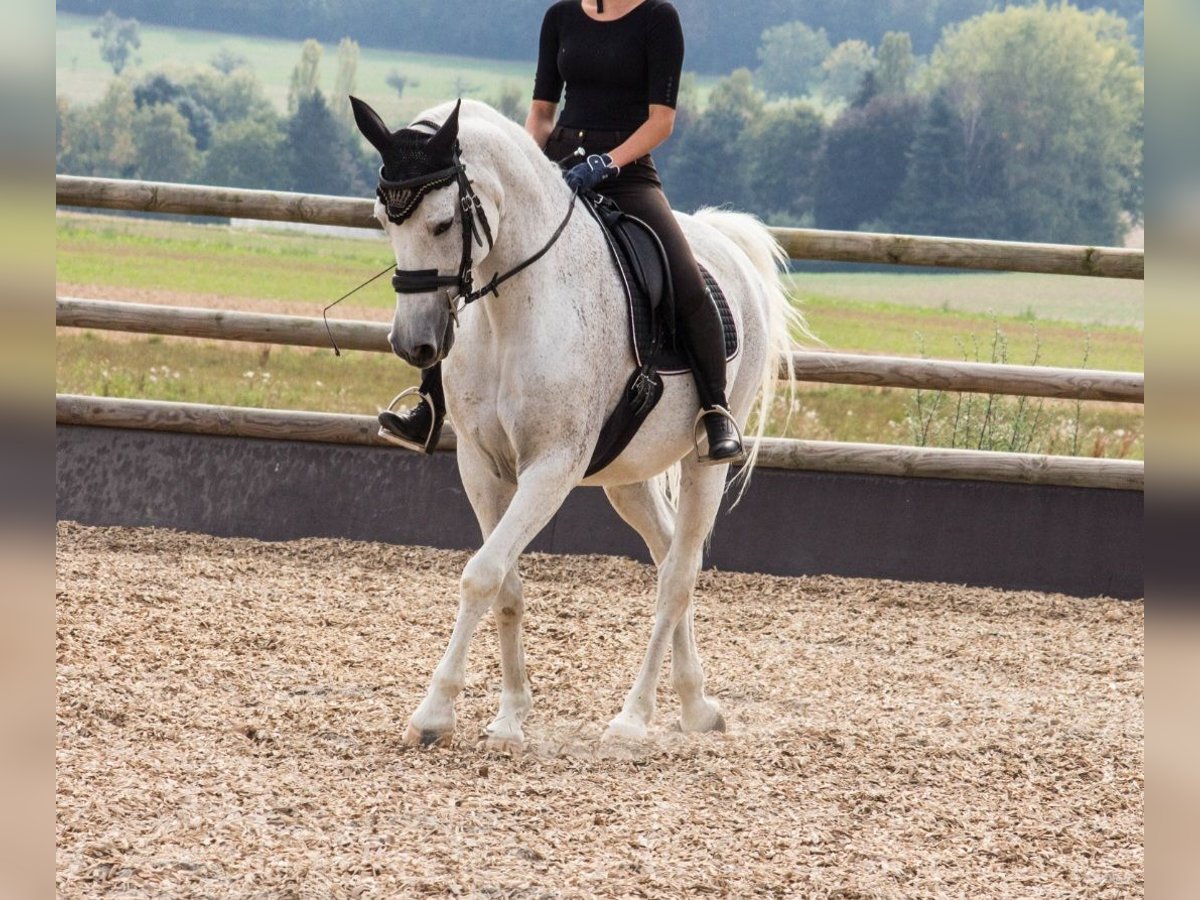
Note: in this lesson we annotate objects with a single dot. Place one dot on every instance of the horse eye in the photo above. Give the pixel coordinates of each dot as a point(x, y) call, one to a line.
point(443, 227)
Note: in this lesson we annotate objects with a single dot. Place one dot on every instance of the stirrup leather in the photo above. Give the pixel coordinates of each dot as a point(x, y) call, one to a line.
point(435, 429)
point(698, 428)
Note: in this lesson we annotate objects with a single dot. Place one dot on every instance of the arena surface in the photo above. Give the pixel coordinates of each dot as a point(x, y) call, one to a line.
point(230, 715)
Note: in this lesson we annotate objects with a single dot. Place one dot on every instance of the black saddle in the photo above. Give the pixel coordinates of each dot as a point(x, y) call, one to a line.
point(645, 272)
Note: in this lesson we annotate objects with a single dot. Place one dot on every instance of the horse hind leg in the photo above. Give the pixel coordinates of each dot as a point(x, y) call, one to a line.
point(645, 509)
point(697, 711)
point(701, 492)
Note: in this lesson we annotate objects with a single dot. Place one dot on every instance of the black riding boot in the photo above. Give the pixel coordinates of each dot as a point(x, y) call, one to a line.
point(420, 427)
point(704, 344)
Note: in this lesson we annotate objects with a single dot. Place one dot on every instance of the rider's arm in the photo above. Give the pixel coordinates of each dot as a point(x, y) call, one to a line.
point(652, 132)
point(664, 66)
point(540, 121)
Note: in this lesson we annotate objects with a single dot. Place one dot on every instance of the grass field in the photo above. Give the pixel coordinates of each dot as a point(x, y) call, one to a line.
point(82, 76)
point(948, 316)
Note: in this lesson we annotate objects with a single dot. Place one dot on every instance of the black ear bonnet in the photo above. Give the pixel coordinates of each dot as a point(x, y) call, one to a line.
point(415, 161)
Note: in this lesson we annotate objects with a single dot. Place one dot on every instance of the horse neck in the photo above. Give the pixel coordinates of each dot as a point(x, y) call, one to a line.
point(533, 211)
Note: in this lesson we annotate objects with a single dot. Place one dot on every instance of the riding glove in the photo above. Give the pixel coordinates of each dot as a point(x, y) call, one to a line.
point(589, 173)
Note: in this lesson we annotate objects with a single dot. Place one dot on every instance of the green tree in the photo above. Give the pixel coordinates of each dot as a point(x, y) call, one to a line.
point(737, 97)
point(346, 82)
point(705, 166)
point(248, 154)
point(321, 156)
point(1050, 96)
point(844, 68)
point(397, 82)
point(227, 61)
point(164, 147)
point(98, 140)
point(159, 88)
point(864, 162)
point(306, 76)
point(943, 193)
point(779, 150)
point(895, 63)
point(118, 39)
point(230, 97)
point(1133, 198)
point(790, 58)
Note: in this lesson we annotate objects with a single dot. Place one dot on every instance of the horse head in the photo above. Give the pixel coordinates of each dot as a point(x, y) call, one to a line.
point(434, 219)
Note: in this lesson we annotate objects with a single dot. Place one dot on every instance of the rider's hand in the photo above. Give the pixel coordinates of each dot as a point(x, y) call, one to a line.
point(589, 173)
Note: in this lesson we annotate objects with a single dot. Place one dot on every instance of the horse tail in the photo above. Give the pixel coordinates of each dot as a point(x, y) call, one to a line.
point(783, 319)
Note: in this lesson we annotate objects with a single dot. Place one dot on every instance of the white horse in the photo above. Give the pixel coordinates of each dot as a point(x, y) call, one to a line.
point(534, 373)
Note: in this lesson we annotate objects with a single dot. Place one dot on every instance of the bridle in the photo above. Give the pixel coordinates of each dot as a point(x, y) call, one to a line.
point(400, 200)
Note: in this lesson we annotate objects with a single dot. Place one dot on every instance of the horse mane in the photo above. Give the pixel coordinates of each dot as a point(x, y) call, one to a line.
point(490, 137)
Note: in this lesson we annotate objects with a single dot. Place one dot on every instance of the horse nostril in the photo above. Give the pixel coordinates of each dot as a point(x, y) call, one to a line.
point(423, 354)
point(393, 343)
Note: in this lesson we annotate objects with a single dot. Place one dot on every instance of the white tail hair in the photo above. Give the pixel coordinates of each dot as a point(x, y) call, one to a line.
point(769, 260)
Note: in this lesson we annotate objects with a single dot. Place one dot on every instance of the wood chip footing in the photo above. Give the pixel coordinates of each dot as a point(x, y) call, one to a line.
point(230, 716)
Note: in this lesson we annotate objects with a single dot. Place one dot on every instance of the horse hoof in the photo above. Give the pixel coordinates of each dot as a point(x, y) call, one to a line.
point(710, 720)
point(625, 728)
point(505, 735)
point(509, 746)
point(427, 737)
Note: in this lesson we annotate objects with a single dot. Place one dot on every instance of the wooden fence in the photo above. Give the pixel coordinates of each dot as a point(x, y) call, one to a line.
point(835, 368)
point(800, 243)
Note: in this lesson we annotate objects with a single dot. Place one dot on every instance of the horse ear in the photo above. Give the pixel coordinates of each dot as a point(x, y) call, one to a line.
point(443, 142)
point(371, 126)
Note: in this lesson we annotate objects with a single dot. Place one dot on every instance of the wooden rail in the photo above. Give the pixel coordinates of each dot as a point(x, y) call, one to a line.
point(203, 200)
point(816, 456)
point(226, 421)
point(194, 322)
point(830, 368)
point(800, 243)
point(961, 253)
point(968, 377)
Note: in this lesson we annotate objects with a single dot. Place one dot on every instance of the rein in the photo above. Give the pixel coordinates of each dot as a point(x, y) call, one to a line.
point(401, 198)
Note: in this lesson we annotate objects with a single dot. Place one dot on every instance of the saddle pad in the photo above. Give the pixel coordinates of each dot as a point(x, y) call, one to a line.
point(671, 362)
point(641, 319)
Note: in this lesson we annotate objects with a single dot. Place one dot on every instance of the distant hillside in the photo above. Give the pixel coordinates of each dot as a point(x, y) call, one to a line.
point(83, 77)
point(721, 35)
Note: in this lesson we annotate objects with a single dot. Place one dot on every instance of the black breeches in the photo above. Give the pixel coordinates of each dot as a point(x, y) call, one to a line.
point(638, 192)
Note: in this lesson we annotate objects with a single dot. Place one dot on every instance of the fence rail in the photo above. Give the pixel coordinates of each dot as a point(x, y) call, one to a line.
point(816, 456)
point(829, 368)
point(800, 243)
point(832, 368)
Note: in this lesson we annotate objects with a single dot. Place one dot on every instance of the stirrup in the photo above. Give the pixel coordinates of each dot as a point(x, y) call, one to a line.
point(435, 427)
point(698, 426)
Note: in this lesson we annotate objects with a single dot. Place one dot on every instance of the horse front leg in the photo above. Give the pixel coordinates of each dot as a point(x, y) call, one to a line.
point(541, 489)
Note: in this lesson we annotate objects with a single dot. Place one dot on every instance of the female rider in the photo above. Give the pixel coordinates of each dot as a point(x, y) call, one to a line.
point(620, 62)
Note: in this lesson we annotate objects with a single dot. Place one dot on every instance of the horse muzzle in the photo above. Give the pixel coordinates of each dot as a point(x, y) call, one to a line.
point(423, 353)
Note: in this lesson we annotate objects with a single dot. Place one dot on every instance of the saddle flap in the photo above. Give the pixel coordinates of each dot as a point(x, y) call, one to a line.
point(647, 259)
point(639, 253)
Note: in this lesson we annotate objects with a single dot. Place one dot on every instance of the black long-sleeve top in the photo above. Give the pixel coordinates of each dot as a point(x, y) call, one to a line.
point(612, 70)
